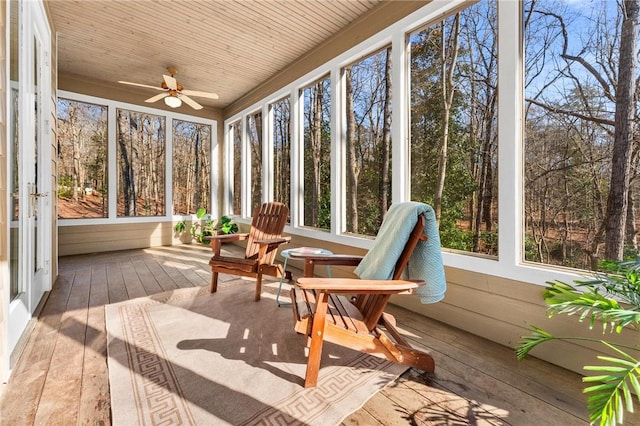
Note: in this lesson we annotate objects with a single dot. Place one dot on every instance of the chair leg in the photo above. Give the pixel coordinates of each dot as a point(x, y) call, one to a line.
point(258, 286)
point(214, 282)
point(317, 340)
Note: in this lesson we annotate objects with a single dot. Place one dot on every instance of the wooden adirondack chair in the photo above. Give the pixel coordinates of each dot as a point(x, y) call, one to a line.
point(263, 241)
point(350, 312)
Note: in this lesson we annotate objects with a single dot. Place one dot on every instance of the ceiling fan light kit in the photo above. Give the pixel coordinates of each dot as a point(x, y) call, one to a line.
point(172, 101)
point(174, 93)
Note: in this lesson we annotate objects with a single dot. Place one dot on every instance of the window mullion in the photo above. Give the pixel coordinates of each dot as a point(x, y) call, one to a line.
point(246, 168)
point(510, 140)
point(296, 192)
point(168, 152)
point(400, 140)
point(338, 130)
point(214, 166)
point(267, 153)
point(112, 163)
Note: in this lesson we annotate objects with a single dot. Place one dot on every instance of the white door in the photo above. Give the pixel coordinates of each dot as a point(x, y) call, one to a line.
point(30, 236)
point(36, 176)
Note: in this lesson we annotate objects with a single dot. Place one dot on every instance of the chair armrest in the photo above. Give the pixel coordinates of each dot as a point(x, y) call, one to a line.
point(358, 286)
point(268, 246)
point(217, 240)
point(227, 237)
point(273, 241)
point(311, 260)
point(328, 259)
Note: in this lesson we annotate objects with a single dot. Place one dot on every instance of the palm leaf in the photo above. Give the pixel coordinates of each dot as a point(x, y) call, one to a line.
point(563, 298)
point(529, 342)
point(612, 299)
point(608, 398)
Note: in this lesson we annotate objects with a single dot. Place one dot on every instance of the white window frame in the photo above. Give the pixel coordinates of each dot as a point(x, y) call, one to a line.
point(509, 264)
point(169, 116)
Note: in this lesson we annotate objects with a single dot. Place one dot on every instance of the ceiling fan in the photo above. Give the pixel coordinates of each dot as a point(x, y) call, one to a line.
point(173, 92)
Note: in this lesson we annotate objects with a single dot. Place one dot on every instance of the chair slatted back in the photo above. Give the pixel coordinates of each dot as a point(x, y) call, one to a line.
point(372, 304)
point(268, 223)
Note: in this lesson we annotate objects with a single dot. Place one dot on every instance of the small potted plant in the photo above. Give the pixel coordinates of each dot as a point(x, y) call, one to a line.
point(227, 225)
point(206, 226)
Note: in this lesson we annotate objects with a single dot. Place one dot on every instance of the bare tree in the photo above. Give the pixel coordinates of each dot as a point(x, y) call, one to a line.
point(598, 74)
point(449, 55)
point(254, 124)
point(618, 200)
point(126, 167)
point(385, 157)
point(353, 168)
point(315, 138)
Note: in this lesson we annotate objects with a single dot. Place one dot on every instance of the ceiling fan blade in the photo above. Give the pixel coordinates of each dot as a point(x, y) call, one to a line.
point(157, 97)
point(200, 94)
point(171, 82)
point(193, 104)
point(141, 85)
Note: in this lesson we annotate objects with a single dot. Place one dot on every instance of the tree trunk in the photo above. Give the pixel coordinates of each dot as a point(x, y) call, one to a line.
point(615, 220)
point(485, 181)
point(352, 163)
point(197, 190)
point(316, 149)
point(448, 66)
point(126, 168)
point(631, 232)
point(75, 150)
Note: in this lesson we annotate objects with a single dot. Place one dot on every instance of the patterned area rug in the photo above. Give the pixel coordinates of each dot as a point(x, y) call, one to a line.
point(191, 357)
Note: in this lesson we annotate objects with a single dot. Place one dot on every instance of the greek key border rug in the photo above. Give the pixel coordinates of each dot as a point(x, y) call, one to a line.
point(194, 358)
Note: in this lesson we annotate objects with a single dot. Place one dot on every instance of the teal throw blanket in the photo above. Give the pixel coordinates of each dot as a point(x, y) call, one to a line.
point(426, 261)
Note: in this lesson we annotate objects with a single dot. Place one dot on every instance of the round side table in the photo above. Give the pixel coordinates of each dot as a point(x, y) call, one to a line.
point(300, 254)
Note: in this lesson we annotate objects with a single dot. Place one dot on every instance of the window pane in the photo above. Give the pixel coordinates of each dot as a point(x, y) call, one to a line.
point(140, 151)
point(235, 132)
point(281, 151)
point(191, 167)
point(82, 160)
point(580, 156)
point(368, 165)
point(454, 141)
point(317, 154)
point(254, 134)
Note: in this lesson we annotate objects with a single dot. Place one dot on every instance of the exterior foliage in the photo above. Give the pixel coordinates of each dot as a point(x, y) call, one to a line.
point(140, 162)
point(581, 131)
point(453, 126)
point(317, 155)
point(140, 152)
point(82, 160)
point(191, 166)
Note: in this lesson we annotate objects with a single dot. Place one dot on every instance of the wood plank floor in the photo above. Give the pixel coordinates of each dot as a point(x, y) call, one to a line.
point(61, 376)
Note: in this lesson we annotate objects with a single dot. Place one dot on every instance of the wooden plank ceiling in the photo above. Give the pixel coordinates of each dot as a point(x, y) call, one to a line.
point(223, 46)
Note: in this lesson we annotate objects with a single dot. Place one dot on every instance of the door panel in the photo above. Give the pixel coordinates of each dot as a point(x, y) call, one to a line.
point(30, 235)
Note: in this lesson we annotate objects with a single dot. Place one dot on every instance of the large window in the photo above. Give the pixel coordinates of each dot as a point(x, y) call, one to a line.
point(82, 160)
point(367, 94)
point(191, 167)
point(140, 153)
point(125, 174)
point(454, 138)
point(317, 154)
point(581, 133)
point(555, 138)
